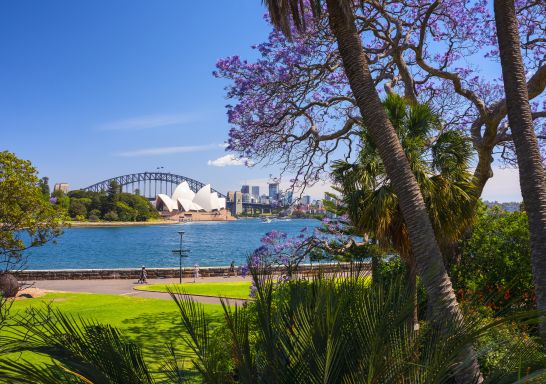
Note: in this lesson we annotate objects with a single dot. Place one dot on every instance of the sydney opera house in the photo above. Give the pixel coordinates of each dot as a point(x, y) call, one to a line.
point(189, 205)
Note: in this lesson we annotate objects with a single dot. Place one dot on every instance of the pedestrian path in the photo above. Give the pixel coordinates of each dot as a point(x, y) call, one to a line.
point(124, 287)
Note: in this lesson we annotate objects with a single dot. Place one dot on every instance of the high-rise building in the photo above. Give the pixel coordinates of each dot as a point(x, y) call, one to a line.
point(289, 198)
point(256, 191)
point(236, 202)
point(246, 198)
point(245, 189)
point(306, 200)
point(286, 198)
point(273, 191)
point(63, 187)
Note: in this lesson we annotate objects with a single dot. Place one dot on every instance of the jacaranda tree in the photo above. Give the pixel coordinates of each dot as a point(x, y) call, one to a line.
point(293, 105)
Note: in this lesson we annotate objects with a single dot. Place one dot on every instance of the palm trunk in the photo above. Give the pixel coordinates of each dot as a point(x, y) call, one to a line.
point(424, 246)
point(531, 170)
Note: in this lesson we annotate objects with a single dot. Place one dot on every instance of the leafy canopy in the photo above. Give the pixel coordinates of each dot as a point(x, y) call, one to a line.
point(439, 159)
point(27, 218)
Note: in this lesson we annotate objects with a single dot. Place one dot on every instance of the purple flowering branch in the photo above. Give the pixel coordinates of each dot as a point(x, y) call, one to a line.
point(333, 237)
point(292, 106)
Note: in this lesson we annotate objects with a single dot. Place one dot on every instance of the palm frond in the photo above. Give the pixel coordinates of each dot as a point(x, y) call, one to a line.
point(208, 361)
point(82, 349)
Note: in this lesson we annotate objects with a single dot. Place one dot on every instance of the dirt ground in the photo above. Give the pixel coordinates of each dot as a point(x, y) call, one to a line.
point(30, 293)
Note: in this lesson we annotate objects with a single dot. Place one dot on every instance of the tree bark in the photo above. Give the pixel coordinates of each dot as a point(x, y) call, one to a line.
point(531, 170)
point(424, 246)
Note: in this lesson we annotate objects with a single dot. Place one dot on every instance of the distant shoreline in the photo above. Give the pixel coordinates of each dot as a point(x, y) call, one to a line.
point(83, 224)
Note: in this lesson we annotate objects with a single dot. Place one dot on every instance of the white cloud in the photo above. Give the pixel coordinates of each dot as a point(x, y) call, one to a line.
point(150, 121)
point(158, 151)
point(229, 160)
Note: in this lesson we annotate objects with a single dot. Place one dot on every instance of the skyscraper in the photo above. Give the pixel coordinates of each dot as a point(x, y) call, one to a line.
point(256, 191)
point(245, 189)
point(63, 187)
point(288, 198)
point(273, 191)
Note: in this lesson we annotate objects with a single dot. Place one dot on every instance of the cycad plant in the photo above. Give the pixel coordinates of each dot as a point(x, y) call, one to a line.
point(439, 160)
point(341, 329)
point(83, 351)
point(329, 329)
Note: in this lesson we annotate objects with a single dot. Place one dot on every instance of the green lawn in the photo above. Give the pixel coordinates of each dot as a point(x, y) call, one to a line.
point(235, 289)
point(152, 323)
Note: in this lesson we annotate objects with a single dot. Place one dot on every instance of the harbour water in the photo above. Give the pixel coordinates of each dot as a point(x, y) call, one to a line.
point(209, 244)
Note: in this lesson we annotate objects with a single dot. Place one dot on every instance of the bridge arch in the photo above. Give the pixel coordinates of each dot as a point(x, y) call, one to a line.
point(149, 184)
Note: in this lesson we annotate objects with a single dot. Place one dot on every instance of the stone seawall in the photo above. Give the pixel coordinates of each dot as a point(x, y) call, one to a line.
point(156, 273)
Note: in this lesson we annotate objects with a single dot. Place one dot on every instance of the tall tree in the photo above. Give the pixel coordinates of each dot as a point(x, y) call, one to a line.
point(424, 246)
point(440, 162)
point(293, 105)
point(26, 219)
point(44, 186)
point(531, 170)
point(112, 197)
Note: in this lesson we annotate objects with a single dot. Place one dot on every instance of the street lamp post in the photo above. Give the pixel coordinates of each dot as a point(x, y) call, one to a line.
point(181, 253)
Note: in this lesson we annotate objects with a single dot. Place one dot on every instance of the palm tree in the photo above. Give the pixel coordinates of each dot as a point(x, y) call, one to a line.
point(440, 164)
point(428, 256)
point(531, 170)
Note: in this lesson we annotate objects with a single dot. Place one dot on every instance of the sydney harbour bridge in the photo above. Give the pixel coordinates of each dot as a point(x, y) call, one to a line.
point(150, 184)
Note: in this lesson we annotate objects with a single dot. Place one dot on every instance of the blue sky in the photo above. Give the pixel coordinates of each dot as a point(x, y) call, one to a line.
point(95, 89)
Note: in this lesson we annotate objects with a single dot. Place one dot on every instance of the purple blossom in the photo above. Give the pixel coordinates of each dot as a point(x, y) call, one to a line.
point(243, 270)
point(253, 290)
point(268, 94)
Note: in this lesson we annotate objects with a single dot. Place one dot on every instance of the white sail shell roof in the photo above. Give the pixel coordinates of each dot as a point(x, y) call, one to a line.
point(196, 207)
point(185, 204)
point(204, 199)
point(180, 188)
point(184, 199)
point(215, 201)
point(167, 201)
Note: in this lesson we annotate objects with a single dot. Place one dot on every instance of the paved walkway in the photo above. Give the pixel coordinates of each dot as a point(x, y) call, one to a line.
point(124, 287)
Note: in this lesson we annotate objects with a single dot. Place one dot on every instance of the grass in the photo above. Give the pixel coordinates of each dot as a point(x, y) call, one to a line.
point(151, 323)
point(235, 289)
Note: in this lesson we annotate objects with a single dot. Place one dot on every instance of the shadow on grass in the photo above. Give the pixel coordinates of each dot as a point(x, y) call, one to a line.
point(154, 332)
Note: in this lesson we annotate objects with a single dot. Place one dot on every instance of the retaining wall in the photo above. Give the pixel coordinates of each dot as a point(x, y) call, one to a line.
point(155, 273)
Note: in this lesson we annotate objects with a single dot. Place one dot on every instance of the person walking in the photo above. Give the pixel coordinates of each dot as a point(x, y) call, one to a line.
point(143, 276)
point(195, 272)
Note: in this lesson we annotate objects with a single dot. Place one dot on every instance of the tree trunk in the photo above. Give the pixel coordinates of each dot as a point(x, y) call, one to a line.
point(424, 246)
point(531, 170)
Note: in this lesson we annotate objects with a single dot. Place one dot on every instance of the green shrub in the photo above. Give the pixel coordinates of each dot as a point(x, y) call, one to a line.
point(111, 216)
point(495, 264)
